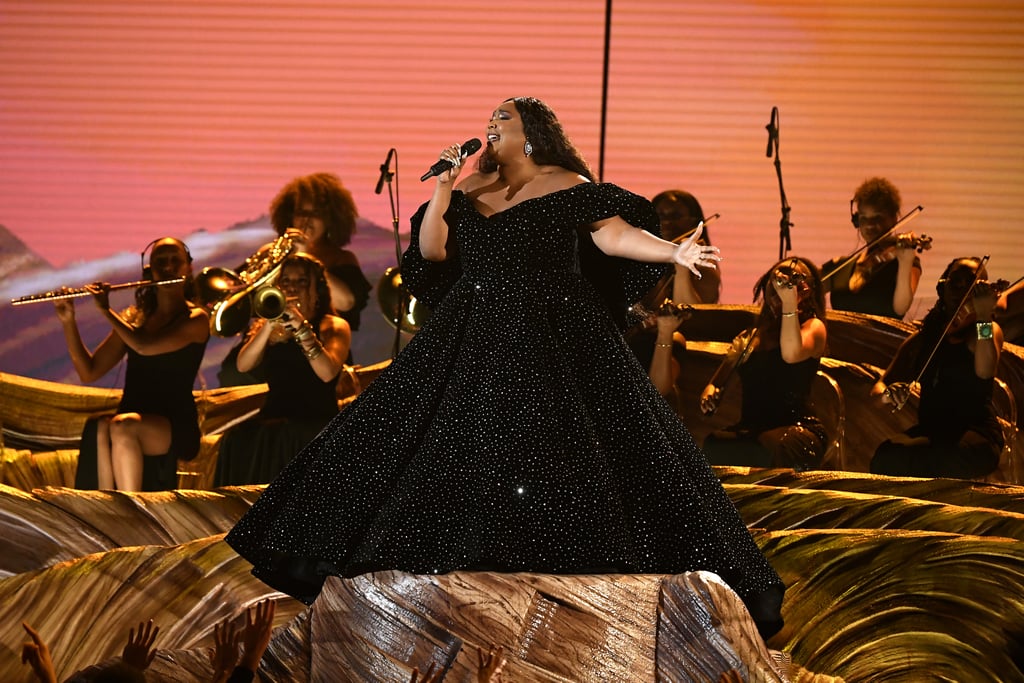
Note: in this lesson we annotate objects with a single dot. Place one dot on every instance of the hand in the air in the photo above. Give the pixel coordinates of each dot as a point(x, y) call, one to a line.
point(690, 254)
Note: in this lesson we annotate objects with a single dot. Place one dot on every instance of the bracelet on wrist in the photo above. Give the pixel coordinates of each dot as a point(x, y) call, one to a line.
point(663, 346)
point(984, 330)
point(788, 315)
point(314, 352)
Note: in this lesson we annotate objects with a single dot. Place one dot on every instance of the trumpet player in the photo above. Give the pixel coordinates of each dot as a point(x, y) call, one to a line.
point(300, 352)
point(164, 337)
point(318, 212)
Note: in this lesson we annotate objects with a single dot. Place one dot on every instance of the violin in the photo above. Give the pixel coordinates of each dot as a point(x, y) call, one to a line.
point(788, 278)
point(956, 330)
point(741, 348)
point(648, 319)
point(966, 315)
point(925, 243)
point(884, 251)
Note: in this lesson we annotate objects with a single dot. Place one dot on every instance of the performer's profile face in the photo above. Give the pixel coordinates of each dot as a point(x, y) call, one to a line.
point(505, 131)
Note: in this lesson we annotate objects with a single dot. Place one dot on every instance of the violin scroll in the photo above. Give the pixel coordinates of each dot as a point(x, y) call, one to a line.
point(908, 240)
point(897, 394)
point(787, 277)
point(680, 311)
point(710, 400)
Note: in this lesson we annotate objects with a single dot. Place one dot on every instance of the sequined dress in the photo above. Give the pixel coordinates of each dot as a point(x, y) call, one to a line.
point(516, 432)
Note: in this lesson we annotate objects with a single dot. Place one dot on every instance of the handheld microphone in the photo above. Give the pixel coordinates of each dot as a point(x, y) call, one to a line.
point(384, 171)
point(773, 132)
point(468, 147)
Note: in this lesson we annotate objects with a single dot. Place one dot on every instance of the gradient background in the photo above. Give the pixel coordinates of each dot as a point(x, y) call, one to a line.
point(123, 121)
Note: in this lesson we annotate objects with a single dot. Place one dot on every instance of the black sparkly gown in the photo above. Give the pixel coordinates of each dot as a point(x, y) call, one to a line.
point(516, 432)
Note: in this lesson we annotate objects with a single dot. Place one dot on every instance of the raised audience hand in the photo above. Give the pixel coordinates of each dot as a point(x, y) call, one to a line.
point(259, 622)
point(36, 654)
point(490, 664)
point(224, 655)
point(431, 676)
point(138, 653)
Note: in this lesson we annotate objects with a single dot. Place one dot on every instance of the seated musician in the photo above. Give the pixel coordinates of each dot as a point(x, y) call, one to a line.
point(883, 279)
point(655, 340)
point(164, 337)
point(777, 362)
point(1010, 313)
point(954, 357)
point(301, 354)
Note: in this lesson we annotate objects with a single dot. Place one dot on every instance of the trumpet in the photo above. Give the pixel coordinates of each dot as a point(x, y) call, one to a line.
point(71, 293)
point(232, 298)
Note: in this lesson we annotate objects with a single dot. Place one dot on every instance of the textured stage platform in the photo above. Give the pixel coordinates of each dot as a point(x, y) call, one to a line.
point(889, 580)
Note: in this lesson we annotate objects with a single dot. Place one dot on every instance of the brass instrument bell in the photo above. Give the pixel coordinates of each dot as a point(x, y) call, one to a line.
point(399, 307)
point(233, 298)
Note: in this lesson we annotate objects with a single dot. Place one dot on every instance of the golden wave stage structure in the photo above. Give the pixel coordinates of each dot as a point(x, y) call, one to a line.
point(889, 579)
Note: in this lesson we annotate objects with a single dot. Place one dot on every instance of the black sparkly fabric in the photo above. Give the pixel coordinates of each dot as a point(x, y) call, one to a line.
point(516, 432)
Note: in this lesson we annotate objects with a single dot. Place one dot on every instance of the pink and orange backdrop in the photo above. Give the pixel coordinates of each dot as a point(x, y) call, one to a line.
point(124, 120)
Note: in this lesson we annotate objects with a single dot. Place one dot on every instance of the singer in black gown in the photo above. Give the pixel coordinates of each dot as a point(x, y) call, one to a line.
point(516, 432)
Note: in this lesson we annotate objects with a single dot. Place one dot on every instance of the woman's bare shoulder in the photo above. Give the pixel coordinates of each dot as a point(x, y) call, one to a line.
point(475, 181)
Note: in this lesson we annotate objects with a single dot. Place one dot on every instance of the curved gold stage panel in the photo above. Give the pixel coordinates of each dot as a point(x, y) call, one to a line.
point(888, 579)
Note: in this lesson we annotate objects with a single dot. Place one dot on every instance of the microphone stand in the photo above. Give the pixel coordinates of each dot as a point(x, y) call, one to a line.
point(386, 176)
point(785, 243)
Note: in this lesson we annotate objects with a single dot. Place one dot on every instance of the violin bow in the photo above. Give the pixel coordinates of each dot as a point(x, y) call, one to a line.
point(663, 290)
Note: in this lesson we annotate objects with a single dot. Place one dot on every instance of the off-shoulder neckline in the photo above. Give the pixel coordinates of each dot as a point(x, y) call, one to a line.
point(473, 203)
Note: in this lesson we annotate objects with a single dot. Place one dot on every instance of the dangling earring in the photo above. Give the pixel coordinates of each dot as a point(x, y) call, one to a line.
point(527, 148)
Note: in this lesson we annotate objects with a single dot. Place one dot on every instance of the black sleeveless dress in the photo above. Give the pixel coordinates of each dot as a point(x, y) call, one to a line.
point(874, 298)
point(516, 432)
point(298, 405)
point(161, 384)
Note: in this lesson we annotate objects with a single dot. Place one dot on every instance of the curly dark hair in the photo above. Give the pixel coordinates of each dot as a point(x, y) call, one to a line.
point(314, 270)
point(551, 146)
point(879, 193)
point(332, 202)
point(812, 306)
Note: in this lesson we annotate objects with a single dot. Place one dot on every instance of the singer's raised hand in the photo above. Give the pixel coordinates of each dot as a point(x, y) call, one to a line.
point(453, 155)
point(691, 254)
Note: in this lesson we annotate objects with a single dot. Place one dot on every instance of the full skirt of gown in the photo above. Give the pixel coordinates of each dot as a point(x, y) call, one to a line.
point(516, 432)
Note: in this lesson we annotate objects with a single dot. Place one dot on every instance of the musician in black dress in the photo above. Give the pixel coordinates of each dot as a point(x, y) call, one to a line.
point(776, 363)
point(300, 354)
point(164, 337)
point(654, 336)
point(882, 279)
point(954, 357)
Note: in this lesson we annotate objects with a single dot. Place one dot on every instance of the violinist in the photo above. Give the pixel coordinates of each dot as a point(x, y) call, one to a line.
point(777, 362)
point(656, 340)
point(679, 214)
point(1010, 313)
point(883, 279)
point(954, 357)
